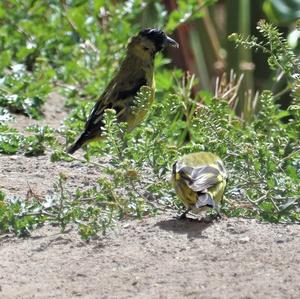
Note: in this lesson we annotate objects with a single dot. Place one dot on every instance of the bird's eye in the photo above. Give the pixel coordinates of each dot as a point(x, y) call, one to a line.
point(146, 48)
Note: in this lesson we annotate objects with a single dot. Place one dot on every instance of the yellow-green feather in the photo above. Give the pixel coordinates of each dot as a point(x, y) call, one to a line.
point(194, 161)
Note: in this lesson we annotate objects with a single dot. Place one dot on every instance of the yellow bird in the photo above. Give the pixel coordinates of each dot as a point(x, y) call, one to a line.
point(135, 71)
point(199, 180)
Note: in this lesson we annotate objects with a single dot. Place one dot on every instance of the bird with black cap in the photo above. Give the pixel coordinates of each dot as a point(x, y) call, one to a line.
point(135, 71)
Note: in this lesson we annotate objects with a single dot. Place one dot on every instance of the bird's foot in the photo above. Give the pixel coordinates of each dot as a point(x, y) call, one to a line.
point(183, 215)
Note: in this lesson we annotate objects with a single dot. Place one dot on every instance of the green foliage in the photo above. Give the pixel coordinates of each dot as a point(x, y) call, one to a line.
point(280, 55)
point(76, 47)
point(24, 92)
point(43, 44)
point(274, 45)
point(35, 144)
point(12, 142)
point(186, 11)
point(262, 157)
point(282, 11)
point(20, 217)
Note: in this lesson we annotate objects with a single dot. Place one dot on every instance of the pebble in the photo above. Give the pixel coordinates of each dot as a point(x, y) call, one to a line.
point(244, 240)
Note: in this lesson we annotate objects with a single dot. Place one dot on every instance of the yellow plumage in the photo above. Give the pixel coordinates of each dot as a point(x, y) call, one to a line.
point(135, 71)
point(199, 180)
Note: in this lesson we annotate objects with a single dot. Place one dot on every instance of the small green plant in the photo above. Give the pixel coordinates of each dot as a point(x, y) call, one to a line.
point(35, 144)
point(280, 55)
point(21, 216)
point(13, 142)
point(24, 92)
point(10, 140)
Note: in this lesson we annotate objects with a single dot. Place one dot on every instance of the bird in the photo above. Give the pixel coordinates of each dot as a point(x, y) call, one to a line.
point(199, 180)
point(136, 71)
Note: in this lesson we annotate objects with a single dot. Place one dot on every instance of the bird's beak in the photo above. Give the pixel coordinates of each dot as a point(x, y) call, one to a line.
point(171, 42)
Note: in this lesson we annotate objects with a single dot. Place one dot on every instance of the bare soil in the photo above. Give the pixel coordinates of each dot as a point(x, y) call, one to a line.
point(159, 257)
point(18, 173)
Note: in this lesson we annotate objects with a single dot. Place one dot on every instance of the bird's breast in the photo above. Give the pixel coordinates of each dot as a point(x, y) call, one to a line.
point(186, 194)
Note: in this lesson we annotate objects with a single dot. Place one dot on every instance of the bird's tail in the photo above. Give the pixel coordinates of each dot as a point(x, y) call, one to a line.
point(205, 199)
point(78, 143)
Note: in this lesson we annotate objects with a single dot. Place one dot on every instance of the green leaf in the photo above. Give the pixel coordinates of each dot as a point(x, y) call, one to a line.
point(282, 11)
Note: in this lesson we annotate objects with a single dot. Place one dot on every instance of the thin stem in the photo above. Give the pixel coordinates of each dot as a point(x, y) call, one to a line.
point(282, 92)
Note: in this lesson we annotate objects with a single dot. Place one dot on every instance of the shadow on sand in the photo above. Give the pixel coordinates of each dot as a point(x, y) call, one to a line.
point(192, 227)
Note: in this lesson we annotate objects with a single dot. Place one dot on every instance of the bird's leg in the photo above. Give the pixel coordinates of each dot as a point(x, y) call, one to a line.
point(217, 209)
point(183, 215)
point(218, 215)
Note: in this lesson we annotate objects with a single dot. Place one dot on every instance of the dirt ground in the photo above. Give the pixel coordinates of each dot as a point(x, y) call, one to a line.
point(159, 257)
point(19, 173)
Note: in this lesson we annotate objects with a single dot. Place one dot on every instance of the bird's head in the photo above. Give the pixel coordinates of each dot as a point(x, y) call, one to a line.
point(150, 41)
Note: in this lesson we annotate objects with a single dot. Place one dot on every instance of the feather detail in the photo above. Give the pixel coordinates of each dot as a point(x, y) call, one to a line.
point(199, 180)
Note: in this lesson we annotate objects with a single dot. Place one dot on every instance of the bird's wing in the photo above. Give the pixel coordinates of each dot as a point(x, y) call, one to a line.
point(201, 178)
point(114, 97)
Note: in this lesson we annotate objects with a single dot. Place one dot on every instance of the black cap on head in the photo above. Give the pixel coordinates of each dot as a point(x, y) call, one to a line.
point(157, 36)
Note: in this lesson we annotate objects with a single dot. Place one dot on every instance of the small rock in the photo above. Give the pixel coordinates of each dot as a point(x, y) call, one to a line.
point(244, 240)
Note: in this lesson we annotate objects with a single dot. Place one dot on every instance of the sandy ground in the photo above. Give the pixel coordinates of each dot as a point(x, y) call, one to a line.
point(158, 257)
point(19, 173)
